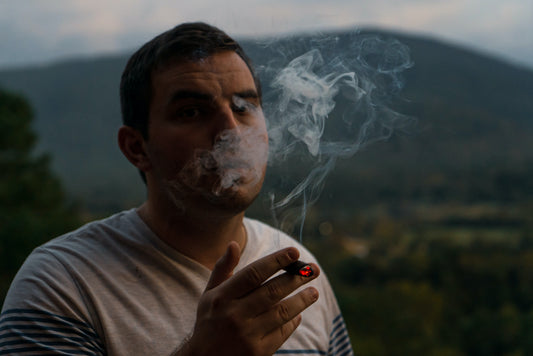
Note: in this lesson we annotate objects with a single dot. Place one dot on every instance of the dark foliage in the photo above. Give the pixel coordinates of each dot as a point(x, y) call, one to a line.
point(34, 208)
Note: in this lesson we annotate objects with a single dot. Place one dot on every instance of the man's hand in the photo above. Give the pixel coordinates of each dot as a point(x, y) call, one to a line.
point(244, 314)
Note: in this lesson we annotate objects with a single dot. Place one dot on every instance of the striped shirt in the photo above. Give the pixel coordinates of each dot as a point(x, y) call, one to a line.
point(114, 288)
point(37, 332)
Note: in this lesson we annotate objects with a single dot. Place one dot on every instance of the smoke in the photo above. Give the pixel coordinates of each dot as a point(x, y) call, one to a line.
point(238, 157)
point(330, 97)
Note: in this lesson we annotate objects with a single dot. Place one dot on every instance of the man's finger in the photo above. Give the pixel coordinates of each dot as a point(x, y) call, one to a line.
point(281, 334)
point(224, 266)
point(277, 288)
point(256, 273)
point(286, 310)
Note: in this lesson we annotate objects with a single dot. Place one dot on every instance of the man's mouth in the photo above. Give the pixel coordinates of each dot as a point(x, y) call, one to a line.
point(221, 166)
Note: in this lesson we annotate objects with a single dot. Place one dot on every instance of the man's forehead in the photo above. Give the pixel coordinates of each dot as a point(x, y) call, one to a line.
point(225, 70)
point(226, 62)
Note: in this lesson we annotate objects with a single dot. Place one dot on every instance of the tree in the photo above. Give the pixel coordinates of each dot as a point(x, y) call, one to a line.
point(33, 205)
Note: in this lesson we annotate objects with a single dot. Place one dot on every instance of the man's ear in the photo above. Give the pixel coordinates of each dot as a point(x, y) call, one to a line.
point(131, 143)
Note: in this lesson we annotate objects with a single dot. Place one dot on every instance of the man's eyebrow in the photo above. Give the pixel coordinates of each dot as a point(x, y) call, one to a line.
point(190, 94)
point(247, 94)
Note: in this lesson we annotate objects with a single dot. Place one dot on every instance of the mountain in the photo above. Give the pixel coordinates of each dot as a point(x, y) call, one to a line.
point(77, 115)
point(472, 141)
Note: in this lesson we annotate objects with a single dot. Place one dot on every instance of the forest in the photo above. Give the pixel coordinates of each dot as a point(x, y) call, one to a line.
point(427, 237)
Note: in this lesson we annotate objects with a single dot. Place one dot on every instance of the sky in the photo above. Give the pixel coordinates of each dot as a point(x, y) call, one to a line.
point(36, 32)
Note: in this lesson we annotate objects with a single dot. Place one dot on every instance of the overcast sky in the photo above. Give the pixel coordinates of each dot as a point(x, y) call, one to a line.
point(41, 31)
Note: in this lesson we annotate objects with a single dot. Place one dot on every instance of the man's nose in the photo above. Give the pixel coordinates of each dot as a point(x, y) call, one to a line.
point(226, 125)
point(226, 120)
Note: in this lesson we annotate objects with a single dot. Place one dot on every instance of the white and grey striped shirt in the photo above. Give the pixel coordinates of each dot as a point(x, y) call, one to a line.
point(113, 287)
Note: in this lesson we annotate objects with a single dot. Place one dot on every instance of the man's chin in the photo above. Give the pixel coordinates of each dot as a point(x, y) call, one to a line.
point(233, 191)
point(236, 197)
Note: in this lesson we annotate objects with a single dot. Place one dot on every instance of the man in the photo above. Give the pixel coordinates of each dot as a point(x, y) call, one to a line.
point(185, 273)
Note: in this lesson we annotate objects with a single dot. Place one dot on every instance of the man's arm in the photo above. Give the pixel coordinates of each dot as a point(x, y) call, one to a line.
point(43, 315)
point(249, 313)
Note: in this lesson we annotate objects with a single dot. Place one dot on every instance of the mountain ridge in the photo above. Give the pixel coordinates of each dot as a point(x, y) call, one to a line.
point(474, 114)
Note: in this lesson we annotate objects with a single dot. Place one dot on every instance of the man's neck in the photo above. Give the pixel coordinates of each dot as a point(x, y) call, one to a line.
point(201, 237)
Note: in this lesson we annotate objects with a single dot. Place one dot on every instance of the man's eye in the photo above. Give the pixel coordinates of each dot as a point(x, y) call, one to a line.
point(241, 105)
point(188, 113)
point(240, 108)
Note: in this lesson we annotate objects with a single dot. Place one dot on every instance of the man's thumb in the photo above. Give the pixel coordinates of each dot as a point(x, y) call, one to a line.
point(224, 266)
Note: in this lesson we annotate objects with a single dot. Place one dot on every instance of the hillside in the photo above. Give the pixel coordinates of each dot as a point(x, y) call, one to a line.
point(475, 121)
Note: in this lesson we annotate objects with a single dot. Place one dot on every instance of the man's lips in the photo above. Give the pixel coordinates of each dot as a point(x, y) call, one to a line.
point(211, 165)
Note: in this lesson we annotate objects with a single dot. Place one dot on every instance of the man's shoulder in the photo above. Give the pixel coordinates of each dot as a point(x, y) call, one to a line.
point(264, 234)
point(268, 233)
point(58, 263)
point(94, 232)
point(87, 245)
point(260, 226)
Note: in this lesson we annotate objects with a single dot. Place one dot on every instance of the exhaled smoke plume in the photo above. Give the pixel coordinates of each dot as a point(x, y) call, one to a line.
point(329, 100)
point(238, 157)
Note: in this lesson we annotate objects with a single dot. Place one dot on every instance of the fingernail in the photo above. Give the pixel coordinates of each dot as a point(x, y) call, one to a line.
point(293, 254)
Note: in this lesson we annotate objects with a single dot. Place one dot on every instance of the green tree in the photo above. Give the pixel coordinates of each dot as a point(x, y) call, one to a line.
point(33, 205)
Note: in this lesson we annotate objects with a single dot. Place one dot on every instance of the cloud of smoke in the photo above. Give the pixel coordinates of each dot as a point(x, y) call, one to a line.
point(238, 157)
point(330, 98)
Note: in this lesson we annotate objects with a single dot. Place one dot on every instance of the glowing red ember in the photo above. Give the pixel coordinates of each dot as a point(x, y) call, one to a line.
point(300, 268)
point(306, 271)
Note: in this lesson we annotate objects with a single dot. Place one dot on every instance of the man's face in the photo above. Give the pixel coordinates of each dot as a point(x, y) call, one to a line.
point(207, 141)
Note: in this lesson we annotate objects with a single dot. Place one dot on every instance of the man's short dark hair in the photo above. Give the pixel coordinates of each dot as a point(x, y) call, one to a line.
point(188, 41)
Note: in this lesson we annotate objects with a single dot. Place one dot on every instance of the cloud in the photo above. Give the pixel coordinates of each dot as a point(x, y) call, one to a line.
point(40, 30)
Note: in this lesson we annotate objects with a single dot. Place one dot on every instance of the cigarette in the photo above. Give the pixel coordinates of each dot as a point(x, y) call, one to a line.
point(300, 268)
